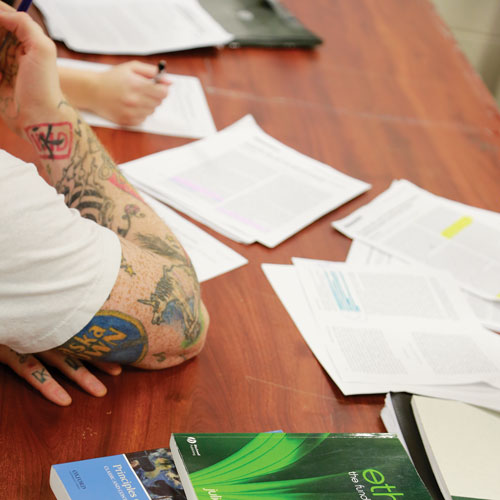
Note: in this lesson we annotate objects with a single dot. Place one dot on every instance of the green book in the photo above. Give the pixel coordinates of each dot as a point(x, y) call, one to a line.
point(284, 466)
point(265, 23)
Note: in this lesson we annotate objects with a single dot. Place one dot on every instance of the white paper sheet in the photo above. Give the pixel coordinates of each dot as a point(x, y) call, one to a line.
point(183, 113)
point(285, 281)
point(417, 226)
point(487, 311)
point(131, 26)
point(244, 184)
point(405, 324)
point(209, 256)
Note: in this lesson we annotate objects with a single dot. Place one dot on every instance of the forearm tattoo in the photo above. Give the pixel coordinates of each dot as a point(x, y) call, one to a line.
point(84, 181)
point(170, 302)
point(110, 336)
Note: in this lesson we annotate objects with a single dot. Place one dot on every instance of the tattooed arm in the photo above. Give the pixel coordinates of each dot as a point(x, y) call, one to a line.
point(154, 316)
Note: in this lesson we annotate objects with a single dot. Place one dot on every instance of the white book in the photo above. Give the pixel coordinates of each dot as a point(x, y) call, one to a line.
point(462, 443)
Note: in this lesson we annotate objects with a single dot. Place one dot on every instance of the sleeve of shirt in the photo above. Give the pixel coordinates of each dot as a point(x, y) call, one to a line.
point(56, 268)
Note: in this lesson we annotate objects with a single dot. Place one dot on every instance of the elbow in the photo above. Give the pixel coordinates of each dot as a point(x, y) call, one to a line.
point(167, 350)
point(193, 345)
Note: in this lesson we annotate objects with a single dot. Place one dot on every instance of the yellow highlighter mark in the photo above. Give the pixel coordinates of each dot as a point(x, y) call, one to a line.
point(456, 227)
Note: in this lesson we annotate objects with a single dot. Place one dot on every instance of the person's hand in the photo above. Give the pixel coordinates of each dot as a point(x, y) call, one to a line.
point(29, 83)
point(125, 94)
point(29, 367)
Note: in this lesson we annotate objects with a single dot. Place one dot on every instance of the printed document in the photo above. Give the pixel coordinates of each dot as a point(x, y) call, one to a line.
point(244, 184)
point(417, 226)
point(131, 27)
point(369, 355)
point(183, 113)
point(487, 311)
point(209, 256)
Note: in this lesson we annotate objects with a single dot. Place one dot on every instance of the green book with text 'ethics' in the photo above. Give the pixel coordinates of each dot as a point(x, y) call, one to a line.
point(285, 466)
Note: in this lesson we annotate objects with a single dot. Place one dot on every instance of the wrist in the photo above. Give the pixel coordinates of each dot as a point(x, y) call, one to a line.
point(50, 130)
point(80, 87)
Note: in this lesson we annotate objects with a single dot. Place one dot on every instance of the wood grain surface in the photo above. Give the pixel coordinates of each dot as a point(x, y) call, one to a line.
point(388, 95)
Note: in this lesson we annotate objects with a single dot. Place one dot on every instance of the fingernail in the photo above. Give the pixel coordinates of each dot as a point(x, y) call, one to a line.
point(63, 397)
point(98, 389)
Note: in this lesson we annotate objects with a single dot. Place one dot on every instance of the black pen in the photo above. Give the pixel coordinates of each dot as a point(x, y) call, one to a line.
point(24, 5)
point(162, 66)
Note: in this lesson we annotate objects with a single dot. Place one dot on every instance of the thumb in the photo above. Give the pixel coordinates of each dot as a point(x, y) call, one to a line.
point(144, 69)
point(22, 26)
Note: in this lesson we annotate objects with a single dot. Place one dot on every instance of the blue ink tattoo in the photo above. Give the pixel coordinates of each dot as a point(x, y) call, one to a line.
point(110, 336)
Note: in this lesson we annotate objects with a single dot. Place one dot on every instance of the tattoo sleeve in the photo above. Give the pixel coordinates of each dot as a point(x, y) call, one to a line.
point(81, 169)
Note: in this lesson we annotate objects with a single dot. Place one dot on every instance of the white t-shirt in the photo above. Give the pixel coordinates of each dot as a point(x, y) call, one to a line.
point(56, 267)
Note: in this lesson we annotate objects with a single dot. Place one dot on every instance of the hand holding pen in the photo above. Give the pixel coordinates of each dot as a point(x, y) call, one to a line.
point(125, 94)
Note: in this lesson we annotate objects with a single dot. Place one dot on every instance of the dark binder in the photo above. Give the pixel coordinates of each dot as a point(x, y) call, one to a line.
point(401, 402)
point(264, 23)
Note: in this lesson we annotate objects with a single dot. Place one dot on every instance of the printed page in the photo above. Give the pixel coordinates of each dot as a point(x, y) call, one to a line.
point(131, 27)
point(285, 282)
point(487, 311)
point(209, 256)
point(407, 325)
point(183, 113)
point(417, 226)
point(246, 182)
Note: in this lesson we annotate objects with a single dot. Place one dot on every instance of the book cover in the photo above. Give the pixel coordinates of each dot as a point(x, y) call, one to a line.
point(143, 475)
point(284, 466)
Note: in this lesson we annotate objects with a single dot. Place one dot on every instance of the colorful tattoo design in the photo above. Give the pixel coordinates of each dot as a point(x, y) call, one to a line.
point(119, 180)
point(51, 140)
point(130, 212)
point(110, 336)
point(126, 267)
point(169, 301)
point(88, 167)
point(171, 306)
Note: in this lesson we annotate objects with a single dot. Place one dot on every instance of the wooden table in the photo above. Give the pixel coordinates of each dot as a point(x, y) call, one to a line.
point(388, 95)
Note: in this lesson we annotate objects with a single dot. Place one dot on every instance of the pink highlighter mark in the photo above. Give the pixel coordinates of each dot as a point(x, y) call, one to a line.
point(197, 188)
point(242, 219)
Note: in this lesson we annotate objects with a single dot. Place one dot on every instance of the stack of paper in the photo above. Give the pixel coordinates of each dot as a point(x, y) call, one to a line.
point(131, 27)
point(184, 112)
point(244, 184)
point(419, 227)
point(487, 311)
point(209, 256)
point(381, 329)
